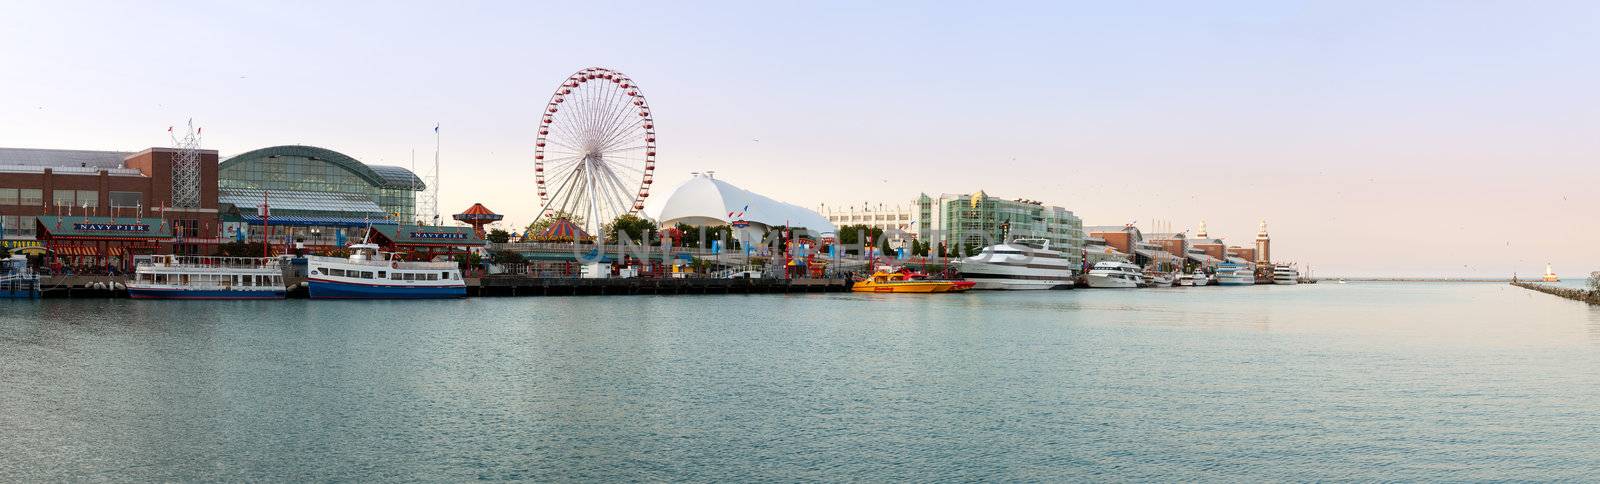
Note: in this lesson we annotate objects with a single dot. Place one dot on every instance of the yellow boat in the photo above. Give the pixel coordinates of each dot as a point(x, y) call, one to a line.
point(901, 282)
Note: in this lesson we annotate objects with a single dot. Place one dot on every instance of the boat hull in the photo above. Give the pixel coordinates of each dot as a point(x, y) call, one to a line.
point(321, 289)
point(914, 287)
point(1001, 284)
point(169, 293)
point(1105, 282)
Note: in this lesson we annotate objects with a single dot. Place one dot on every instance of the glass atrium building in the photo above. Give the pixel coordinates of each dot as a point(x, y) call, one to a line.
point(314, 193)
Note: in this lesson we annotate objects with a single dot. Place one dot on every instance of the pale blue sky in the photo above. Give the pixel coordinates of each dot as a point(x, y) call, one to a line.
point(1375, 137)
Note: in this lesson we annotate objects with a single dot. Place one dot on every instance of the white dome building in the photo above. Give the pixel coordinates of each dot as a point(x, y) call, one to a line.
point(707, 201)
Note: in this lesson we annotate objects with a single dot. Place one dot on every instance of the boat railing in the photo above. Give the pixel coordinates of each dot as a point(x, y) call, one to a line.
point(391, 263)
point(208, 262)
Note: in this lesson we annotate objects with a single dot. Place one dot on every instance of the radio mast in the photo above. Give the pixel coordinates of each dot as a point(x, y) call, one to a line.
point(186, 167)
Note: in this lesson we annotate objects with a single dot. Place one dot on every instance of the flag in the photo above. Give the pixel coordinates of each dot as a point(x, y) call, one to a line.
point(238, 233)
point(435, 128)
point(338, 238)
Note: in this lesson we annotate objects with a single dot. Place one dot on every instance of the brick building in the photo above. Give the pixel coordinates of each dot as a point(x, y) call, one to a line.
point(111, 185)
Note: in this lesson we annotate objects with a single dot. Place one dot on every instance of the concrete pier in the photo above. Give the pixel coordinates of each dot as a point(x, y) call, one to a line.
point(510, 285)
point(1575, 294)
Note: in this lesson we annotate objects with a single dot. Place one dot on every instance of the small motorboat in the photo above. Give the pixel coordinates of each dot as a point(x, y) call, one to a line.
point(908, 282)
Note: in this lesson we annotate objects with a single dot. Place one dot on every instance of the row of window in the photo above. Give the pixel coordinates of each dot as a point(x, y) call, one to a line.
point(214, 280)
point(17, 225)
point(397, 276)
point(34, 197)
point(868, 218)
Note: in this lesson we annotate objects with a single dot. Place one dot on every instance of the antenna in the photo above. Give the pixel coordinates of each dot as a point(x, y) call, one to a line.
point(186, 168)
point(433, 199)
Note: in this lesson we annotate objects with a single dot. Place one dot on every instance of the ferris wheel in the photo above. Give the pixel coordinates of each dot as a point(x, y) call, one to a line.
point(596, 153)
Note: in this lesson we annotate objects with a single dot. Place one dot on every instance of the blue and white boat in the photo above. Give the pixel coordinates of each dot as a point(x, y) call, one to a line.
point(1236, 272)
point(371, 274)
point(185, 277)
point(17, 281)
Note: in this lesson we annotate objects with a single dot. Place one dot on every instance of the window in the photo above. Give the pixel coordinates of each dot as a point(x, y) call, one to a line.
point(127, 199)
point(30, 197)
point(8, 196)
point(63, 198)
point(17, 225)
point(88, 198)
point(444, 276)
point(366, 274)
point(336, 272)
point(383, 274)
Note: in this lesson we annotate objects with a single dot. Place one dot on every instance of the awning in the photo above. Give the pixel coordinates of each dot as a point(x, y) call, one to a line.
point(76, 251)
point(314, 221)
point(1237, 260)
point(1202, 258)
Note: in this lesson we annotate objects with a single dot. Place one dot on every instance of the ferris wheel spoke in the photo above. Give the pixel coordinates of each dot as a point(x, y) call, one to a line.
point(593, 152)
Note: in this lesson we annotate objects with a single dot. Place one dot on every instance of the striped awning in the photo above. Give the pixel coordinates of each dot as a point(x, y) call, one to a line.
point(562, 230)
point(88, 251)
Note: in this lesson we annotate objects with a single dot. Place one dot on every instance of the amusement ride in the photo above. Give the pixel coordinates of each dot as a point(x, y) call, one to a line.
point(596, 152)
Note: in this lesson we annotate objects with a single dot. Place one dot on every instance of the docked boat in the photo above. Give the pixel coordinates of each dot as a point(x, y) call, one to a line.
point(370, 274)
point(1284, 274)
point(1196, 278)
point(908, 282)
point(1020, 265)
point(184, 277)
point(1160, 279)
point(1236, 274)
point(17, 281)
point(1115, 274)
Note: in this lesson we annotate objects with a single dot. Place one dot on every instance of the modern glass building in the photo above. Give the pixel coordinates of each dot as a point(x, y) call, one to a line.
point(318, 170)
point(318, 196)
point(971, 221)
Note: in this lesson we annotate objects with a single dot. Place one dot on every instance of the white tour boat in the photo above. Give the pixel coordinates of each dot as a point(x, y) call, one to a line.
point(1284, 274)
point(186, 277)
point(370, 274)
point(1236, 274)
point(1115, 274)
point(1021, 264)
point(1196, 278)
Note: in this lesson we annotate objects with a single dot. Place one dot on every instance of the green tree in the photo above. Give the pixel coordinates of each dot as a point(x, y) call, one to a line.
point(498, 236)
point(239, 249)
point(635, 226)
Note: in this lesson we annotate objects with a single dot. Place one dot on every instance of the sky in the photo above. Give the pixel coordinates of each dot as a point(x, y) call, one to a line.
point(1375, 138)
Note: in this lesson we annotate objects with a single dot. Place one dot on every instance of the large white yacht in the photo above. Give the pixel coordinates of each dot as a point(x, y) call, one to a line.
point(1196, 278)
point(1021, 264)
point(1285, 274)
point(1236, 274)
point(370, 274)
point(187, 277)
point(1115, 274)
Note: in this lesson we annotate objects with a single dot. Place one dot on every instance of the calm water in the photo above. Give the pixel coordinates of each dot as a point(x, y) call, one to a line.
point(1355, 381)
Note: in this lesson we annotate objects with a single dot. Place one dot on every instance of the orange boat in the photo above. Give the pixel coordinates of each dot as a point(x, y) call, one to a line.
point(906, 282)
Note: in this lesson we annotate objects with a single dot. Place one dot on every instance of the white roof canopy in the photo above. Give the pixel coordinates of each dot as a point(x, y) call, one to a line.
point(703, 200)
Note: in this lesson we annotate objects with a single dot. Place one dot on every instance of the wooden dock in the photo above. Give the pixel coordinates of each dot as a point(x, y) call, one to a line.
point(511, 285)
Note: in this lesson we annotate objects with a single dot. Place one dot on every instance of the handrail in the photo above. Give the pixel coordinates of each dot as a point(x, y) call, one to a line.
point(207, 262)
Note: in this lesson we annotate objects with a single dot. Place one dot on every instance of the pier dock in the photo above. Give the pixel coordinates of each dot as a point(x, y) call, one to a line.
point(516, 285)
point(1575, 294)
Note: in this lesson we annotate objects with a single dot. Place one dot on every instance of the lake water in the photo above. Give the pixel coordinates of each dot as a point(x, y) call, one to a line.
point(1327, 381)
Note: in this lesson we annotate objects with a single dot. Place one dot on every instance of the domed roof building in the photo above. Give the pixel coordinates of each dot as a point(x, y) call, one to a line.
point(706, 201)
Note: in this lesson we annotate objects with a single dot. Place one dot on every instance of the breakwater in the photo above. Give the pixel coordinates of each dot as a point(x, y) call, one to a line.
point(1572, 293)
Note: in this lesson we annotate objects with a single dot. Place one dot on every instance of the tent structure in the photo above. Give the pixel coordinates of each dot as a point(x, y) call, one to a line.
point(562, 230)
point(706, 201)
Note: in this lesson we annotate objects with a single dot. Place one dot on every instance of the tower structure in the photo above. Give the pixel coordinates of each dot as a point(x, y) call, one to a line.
point(1201, 234)
point(1263, 245)
point(186, 168)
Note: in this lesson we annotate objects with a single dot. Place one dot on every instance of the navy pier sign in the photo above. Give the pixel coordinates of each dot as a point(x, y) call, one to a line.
point(112, 227)
point(438, 235)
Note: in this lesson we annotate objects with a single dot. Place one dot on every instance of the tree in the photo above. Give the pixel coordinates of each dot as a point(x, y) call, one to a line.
point(635, 226)
point(505, 257)
point(498, 236)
